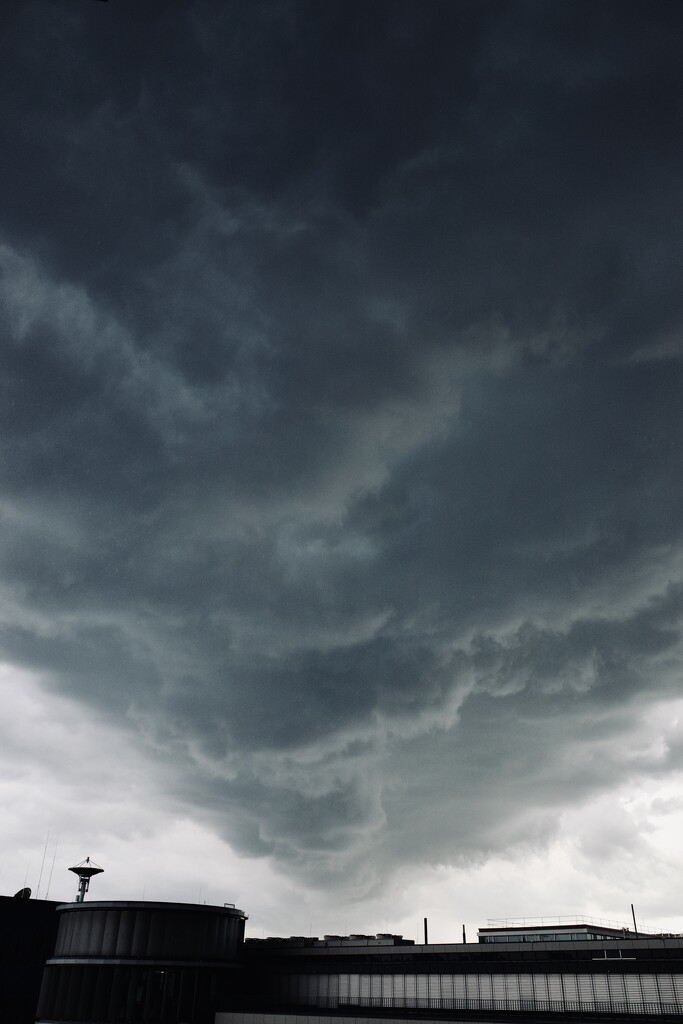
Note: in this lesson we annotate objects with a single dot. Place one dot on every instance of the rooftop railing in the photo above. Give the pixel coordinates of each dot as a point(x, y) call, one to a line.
point(558, 921)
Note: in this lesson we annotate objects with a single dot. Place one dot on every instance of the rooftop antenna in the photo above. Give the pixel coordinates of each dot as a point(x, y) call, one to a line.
point(85, 871)
point(42, 863)
point(52, 867)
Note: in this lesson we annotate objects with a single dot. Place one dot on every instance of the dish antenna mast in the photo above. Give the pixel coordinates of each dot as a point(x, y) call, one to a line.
point(85, 871)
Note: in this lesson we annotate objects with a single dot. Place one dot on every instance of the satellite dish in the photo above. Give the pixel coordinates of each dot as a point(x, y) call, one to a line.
point(23, 894)
point(85, 871)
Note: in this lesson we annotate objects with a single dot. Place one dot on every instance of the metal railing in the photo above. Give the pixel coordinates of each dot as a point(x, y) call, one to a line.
point(563, 919)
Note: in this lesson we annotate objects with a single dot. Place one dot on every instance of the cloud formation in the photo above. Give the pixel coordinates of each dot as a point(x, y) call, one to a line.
point(341, 375)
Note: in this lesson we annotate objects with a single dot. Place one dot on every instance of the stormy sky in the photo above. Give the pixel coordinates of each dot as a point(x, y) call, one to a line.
point(340, 529)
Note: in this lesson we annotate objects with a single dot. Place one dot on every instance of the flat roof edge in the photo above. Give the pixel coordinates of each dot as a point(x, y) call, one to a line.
point(151, 905)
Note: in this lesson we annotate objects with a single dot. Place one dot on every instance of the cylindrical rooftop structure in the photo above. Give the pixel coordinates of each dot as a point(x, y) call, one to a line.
point(141, 962)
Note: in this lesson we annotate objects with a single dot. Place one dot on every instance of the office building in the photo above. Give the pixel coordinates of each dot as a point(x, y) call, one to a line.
point(610, 976)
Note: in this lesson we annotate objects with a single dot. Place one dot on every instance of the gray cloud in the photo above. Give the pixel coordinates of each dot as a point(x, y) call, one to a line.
point(341, 384)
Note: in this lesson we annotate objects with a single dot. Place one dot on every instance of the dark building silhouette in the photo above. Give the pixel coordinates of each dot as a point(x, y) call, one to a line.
point(28, 929)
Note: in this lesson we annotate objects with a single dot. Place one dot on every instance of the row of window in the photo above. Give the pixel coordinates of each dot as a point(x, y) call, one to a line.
point(545, 937)
point(435, 991)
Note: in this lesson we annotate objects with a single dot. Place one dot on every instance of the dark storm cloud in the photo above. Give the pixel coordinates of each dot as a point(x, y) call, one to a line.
point(341, 368)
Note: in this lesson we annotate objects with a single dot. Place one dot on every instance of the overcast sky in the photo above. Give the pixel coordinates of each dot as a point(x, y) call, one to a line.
point(340, 524)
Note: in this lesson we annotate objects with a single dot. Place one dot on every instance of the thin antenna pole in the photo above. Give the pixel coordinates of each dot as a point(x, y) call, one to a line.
point(426, 938)
point(54, 857)
point(42, 863)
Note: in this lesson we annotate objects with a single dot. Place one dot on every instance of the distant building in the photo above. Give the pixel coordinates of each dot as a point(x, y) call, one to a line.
point(558, 931)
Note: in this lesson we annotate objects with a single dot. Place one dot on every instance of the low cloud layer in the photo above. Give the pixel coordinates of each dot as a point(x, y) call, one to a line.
point(341, 376)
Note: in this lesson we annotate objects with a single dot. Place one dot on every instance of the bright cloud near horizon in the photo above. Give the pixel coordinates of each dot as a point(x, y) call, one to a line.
point(340, 522)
